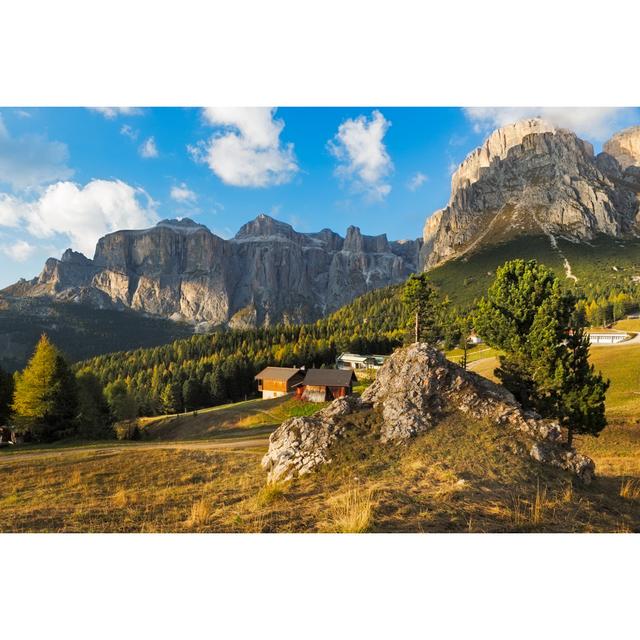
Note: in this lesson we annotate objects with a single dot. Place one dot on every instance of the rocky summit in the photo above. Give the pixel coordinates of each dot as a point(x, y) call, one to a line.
point(414, 391)
point(532, 178)
point(267, 273)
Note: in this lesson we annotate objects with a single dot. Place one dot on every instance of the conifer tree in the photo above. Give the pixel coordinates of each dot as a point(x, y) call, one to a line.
point(171, 398)
point(6, 395)
point(121, 401)
point(421, 298)
point(94, 416)
point(527, 314)
point(192, 394)
point(45, 400)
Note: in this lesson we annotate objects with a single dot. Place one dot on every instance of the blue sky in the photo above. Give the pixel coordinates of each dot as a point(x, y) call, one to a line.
point(69, 175)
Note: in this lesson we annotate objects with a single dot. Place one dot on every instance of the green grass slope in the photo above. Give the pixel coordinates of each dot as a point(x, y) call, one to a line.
point(237, 420)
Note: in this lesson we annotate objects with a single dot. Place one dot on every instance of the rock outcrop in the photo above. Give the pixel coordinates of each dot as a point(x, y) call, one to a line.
point(267, 273)
point(415, 388)
point(496, 146)
point(531, 178)
point(624, 146)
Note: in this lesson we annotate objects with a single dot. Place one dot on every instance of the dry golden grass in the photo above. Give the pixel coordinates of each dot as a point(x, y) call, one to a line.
point(75, 478)
point(462, 476)
point(200, 513)
point(351, 512)
point(630, 489)
point(241, 419)
point(120, 499)
point(270, 493)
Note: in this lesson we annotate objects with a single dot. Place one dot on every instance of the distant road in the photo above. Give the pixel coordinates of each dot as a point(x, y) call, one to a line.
point(634, 340)
point(238, 445)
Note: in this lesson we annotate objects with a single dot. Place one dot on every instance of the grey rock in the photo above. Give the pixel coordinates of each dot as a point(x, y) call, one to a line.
point(268, 273)
point(624, 146)
point(413, 390)
point(530, 178)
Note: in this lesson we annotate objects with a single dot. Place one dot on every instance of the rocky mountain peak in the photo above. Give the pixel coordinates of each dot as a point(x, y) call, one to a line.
point(530, 178)
point(74, 257)
point(495, 146)
point(624, 146)
point(184, 225)
point(357, 242)
point(264, 226)
point(268, 273)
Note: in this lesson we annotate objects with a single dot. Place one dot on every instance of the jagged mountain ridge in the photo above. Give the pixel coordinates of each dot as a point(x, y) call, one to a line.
point(267, 273)
point(530, 178)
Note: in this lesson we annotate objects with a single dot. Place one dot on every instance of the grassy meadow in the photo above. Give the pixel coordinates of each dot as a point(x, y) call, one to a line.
point(461, 477)
point(201, 473)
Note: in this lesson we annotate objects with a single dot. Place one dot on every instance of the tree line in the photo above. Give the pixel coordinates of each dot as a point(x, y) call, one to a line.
point(48, 401)
point(526, 313)
point(51, 399)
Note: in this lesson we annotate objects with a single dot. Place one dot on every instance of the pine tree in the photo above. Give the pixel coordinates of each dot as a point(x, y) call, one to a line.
point(45, 400)
point(192, 394)
point(421, 298)
point(94, 416)
point(6, 396)
point(121, 401)
point(581, 393)
point(171, 398)
point(527, 314)
point(217, 387)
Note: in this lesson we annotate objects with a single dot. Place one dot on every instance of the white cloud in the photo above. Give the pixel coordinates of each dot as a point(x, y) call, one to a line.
point(31, 160)
point(148, 148)
point(113, 112)
point(362, 155)
point(130, 132)
point(417, 180)
point(592, 123)
point(8, 211)
point(83, 214)
point(182, 193)
point(20, 251)
point(246, 150)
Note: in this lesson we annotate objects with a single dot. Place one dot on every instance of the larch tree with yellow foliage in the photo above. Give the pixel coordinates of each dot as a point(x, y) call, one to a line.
point(46, 399)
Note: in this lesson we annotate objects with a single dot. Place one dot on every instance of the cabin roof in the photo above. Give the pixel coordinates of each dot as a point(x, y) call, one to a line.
point(329, 377)
point(277, 373)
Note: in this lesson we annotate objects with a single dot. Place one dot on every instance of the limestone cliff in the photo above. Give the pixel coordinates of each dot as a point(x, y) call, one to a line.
point(624, 146)
point(267, 273)
point(530, 178)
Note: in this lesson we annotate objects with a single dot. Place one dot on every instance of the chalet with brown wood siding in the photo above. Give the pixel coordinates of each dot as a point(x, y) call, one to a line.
point(320, 385)
point(278, 381)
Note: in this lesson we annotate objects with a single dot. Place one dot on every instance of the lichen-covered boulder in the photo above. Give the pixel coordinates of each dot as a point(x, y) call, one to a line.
point(413, 391)
point(300, 444)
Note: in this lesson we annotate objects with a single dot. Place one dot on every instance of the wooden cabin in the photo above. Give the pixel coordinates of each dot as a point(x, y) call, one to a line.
point(278, 381)
point(326, 384)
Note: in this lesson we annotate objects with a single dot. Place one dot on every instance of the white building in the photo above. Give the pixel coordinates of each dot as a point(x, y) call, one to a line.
point(607, 337)
point(474, 338)
point(357, 361)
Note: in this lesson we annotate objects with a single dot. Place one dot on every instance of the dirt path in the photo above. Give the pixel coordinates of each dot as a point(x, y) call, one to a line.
point(237, 445)
point(567, 270)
